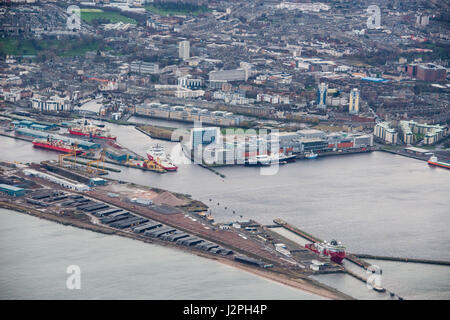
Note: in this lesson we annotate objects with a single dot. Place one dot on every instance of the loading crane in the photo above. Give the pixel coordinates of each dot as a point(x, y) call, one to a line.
point(101, 160)
point(73, 153)
point(128, 161)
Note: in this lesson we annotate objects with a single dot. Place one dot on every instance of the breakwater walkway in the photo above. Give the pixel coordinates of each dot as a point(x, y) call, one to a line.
point(400, 259)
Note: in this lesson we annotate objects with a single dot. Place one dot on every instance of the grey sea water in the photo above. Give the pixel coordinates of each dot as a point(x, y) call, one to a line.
point(375, 203)
point(35, 254)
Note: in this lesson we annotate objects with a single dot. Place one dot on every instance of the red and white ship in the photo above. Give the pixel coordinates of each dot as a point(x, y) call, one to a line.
point(92, 131)
point(334, 250)
point(433, 161)
point(159, 156)
point(56, 145)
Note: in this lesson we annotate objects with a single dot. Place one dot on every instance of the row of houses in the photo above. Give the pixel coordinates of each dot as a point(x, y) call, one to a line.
point(273, 99)
point(188, 113)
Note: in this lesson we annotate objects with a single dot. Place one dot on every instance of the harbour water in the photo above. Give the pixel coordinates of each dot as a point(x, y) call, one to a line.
point(374, 203)
point(35, 254)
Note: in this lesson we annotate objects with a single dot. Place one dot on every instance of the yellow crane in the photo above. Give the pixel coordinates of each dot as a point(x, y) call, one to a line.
point(128, 161)
point(101, 159)
point(73, 153)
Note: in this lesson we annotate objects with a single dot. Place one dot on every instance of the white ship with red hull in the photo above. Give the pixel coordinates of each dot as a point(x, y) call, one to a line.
point(433, 161)
point(159, 156)
point(334, 250)
point(92, 131)
point(55, 145)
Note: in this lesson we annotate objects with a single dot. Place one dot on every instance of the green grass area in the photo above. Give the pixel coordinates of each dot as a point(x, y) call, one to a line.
point(170, 9)
point(92, 15)
point(17, 47)
point(67, 48)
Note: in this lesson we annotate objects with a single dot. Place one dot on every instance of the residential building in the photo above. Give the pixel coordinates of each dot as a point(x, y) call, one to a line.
point(184, 50)
point(353, 106)
point(322, 95)
point(385, 132)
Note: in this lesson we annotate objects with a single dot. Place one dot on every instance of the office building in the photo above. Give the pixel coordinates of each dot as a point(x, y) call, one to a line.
point(144, 67)
point(431, 72)
point(353, 106)
point(228, 75)
point(184, 50)
point(322, 95)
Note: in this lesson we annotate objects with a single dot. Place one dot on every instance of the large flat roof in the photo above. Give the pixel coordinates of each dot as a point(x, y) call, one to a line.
point(8, 187)
point(415, 149)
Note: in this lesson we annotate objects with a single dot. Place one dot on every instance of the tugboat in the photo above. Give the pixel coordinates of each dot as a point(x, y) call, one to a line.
point(334, 250)
point(311, 155)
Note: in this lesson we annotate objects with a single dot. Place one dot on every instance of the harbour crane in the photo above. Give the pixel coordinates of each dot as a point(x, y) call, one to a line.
point(101, 159)
point(73, 153)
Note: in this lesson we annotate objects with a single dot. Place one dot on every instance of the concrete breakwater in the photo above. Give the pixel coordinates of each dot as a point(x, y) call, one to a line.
point(402, 259)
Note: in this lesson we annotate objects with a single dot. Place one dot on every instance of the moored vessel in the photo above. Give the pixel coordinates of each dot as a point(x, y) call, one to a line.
point(311, 155)
point(334, 250)
point(259, 160)
point(158, 155)
point(268, 160)
point(435, 162)
point(92, 131)
point(56, 145)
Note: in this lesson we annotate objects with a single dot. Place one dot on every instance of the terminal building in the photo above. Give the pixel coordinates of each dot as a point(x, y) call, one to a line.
point(235, 149)
point(311, 140)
